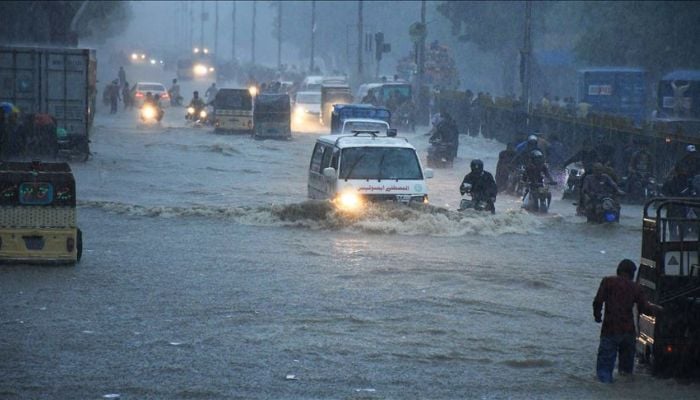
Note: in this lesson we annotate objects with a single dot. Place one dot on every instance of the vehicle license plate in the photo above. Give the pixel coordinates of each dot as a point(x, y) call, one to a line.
point(403, 198)
point(33, 242)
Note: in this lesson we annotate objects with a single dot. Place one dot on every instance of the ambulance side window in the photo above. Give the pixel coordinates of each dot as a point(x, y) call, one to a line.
point(316, 158)
point(328, 152)
point(334, 159)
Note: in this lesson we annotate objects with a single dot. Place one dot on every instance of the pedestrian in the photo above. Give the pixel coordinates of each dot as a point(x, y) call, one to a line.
point(617, 336)
point(122, 76)
point(113, 96)
point(126, 96)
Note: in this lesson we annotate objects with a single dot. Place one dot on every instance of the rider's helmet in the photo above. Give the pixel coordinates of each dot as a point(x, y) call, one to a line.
point(690, 148)
point(157, 96)
point(532, 140)
point(195, 94)
point(174, 80)
point(537, 157)
point(149, 94)
point(477, 166)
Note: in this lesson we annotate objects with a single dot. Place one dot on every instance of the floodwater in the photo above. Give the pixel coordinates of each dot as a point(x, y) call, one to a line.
point(208, 275)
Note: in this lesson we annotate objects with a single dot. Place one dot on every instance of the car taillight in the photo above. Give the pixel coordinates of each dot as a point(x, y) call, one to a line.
point(139, 94)
point(165, 96)
point(70, 244)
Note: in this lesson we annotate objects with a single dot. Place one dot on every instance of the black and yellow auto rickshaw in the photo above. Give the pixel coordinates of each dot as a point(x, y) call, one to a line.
point(38, 222)
point(272, 116)
point(233, 111)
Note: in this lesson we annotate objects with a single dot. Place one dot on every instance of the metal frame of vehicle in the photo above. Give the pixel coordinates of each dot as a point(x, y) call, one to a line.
point(138, 100)
point(272, 116)
point(325, 182)
point(368, 121)
point(669, 274)
point(38, 222)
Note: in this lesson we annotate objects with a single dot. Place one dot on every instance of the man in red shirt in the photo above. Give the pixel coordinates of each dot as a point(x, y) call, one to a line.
point(619, 294)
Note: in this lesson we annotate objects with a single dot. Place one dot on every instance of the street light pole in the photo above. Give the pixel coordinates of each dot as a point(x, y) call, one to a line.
point(252, 42)
point(359, 40)
point(216, 28)
point(313, 34)
point(279, 35)
point(233, 33)
point(201, 25)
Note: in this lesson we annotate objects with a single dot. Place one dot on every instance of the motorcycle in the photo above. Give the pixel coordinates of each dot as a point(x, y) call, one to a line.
point(640, 188)
point(516, 185)
point(478, 203)
point(199, 116)
point(602, 209)
point(440, 155)
point(150, 115)
point(405, 121)
point(537, 197)
point(574, 179)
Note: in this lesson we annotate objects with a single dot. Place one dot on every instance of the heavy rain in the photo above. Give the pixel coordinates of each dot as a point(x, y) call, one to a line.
point(349, 200)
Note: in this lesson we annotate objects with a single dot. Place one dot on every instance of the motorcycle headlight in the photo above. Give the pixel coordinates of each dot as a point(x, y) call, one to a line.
point(202, 114)
point(190, 110)
point(148, 112)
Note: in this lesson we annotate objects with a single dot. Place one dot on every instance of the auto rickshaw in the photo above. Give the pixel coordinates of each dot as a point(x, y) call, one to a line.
point(38, 221)
point(272, 116)
point(233, 111)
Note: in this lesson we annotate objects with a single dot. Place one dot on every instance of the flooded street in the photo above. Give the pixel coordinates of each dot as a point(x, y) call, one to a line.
point(207, 274)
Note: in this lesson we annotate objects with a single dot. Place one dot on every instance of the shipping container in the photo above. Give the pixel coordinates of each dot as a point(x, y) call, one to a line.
point(60, 82)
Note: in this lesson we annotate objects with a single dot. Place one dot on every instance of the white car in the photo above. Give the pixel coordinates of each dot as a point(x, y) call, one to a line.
point(307, 107)
point(364, 124)
point(138, 93)
point(353, 169)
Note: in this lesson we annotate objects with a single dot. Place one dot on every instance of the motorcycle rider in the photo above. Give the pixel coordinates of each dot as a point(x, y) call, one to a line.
point(480, 184)
point(536, 170)
point(446, 134)
point(588, 156)
point(174, 92)
point(640, 168)
point(505, 159)
point(596, 185)
point(196, 101)
point(690, 162)
point(524, 151)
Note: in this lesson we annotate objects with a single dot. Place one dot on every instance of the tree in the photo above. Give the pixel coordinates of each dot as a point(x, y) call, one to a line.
point(49, 22)
point(493, 26)
point(659, 36)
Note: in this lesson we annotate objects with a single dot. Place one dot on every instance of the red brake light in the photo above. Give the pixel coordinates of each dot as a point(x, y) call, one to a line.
point(70, 244)
point(139, 94)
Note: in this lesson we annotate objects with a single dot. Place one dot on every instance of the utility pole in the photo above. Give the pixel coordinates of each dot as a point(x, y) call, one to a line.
point(189, 5)
point(201, 26)
point(526, 57)
point(252, 42)
point(279, 35)
point(422, 106)
point(216, 28)
point(359, 40)
point(233, 33)
point(313, 34)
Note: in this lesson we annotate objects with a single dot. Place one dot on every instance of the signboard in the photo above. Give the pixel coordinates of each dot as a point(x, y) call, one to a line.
point(600, 90)
point(674, 259)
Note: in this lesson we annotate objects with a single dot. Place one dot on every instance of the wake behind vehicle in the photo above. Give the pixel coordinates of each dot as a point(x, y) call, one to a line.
point(233, 111)
point(669, 274)
point(353, 169)
point(272, 116)
point(38, 221)
point(475, 202)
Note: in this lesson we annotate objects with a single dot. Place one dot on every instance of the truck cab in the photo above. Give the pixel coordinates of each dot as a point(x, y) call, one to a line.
point(669, 274)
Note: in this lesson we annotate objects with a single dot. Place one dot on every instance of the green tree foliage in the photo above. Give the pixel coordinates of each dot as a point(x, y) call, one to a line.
point(659, 36)
point(48, 22)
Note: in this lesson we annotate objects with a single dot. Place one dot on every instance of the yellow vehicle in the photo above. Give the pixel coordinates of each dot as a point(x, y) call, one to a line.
point(38, 221)
point(233, 110)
